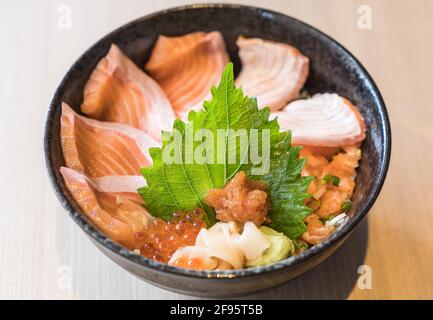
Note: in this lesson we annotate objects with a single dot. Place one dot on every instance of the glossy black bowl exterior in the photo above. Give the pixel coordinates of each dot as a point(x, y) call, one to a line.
point(332, 69)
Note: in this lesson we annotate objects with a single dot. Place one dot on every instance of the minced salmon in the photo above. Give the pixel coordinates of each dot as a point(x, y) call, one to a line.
point(241, 200)
point(327, 198)
point(316, 230)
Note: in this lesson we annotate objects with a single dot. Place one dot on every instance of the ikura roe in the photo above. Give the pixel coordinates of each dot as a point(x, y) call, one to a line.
point(160, 239)
point(191, 263)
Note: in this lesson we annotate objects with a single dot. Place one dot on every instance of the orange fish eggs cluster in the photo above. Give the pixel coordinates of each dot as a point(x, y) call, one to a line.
point(191, 263)
point(160, 239)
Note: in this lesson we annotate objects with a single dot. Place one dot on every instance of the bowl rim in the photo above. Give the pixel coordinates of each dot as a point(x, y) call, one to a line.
point(141, 261)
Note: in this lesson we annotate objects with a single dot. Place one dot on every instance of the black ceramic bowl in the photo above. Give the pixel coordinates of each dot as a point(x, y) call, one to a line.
point(332, 69)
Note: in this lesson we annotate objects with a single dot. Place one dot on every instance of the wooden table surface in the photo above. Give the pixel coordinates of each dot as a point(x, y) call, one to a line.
point(43, 254)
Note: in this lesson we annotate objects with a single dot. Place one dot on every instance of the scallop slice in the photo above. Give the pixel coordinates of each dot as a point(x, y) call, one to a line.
point(272, 72)
point(325, 120)
point(252, 242)
point(219, 243)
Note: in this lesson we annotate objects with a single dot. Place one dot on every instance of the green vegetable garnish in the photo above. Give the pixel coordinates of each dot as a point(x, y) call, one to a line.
point(281, 247)
point(300, 245)
point(182, 185)
point(345, 206)
point(329, 178)
point(288, 189)
point(328, 218)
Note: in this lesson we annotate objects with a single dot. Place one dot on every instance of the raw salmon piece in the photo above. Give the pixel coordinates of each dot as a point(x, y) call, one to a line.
point(316, 189)
point(241, 200)
point(314, 167)
point(118, 91)
point(331, 202)
point(325, 120)
point(103, 201)
point(326, 152)
point(316, 230)
point(103, 148)
point(343, 166)
point(187, 67)
point(272, 72)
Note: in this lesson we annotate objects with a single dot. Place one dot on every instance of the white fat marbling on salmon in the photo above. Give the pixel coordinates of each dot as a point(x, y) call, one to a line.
point(272, 72)
point(118, 212)
point(103, 148)
point(187, 67)
point(325, 120)
point(119, 91)
point(119, 183)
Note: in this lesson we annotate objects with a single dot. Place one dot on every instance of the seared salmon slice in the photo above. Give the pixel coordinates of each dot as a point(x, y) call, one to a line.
point(187, 67)
point(272, 72)
point(325, 120)
point(103, 148)
point(111, 202)
point(118, 91)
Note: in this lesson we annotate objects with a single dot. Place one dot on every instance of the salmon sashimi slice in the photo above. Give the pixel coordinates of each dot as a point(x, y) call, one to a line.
point(111, 202)
point(187, 67)
point(325, 120)
point(103, 148)
point(118, 91)
point(272, 72)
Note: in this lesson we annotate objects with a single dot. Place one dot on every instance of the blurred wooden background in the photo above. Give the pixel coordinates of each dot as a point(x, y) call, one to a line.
point(44, 255)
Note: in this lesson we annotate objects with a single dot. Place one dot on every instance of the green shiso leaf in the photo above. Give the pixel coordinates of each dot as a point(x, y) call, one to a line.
point(182, 185)
point(288, 189)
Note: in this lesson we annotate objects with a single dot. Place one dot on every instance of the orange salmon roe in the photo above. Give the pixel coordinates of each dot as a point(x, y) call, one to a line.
point(160, 239)
point(193, 263)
